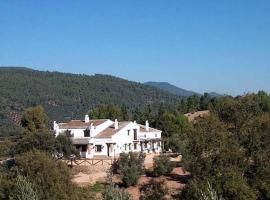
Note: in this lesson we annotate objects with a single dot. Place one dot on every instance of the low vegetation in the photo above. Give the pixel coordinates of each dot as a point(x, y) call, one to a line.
point(153, 190)
point(162, 165)
point(130, 166)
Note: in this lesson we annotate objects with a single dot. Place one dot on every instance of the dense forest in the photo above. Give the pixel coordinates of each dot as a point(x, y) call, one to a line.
point(226, 153)
point(66, 96)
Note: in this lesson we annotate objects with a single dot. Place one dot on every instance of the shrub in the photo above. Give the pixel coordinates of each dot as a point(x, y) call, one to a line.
point(51, 179)
point(162, 165)
point(112, 192)
point(130, 166)
point(153, 190)
point(210, 194)
point(41, 140)
point(23, 190)
point(64, 146)
point(5, 148)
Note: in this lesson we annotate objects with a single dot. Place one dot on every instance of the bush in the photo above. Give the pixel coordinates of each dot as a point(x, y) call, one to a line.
point(64, 146)
point(112, 192)
point(23, 190)
point(51, 179)
point(153, 190)
point(130, 166)
point(162, 165)
point(41, 140)
point(5, 148)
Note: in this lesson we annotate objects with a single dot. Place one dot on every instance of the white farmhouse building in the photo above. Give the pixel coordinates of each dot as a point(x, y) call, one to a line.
point(103, 137)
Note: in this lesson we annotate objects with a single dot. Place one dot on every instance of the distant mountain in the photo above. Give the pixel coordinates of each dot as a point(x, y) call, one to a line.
point(176, 90)
point(171, 88)
point(214, 94)
point(71, 95)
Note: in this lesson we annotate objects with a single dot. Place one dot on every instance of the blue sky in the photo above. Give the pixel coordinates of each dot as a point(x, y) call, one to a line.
point(221, 46)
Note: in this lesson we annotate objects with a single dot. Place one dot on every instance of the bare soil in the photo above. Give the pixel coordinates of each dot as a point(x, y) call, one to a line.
point(85, 175)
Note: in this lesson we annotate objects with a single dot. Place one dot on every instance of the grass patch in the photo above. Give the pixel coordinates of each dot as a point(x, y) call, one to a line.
point(97, 188)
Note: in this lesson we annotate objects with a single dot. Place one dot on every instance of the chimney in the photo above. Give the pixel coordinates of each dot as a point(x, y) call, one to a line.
point(86, 118)
point(55, 125)
point(146, 125)
point(92, 128)
point(115, 124)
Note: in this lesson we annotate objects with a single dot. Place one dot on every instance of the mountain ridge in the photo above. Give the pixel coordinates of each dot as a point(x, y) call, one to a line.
point(71, 95)
point(171, 88)
point(168, 87)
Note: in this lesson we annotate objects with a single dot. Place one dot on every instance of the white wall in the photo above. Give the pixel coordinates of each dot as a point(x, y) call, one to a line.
point(120, 138)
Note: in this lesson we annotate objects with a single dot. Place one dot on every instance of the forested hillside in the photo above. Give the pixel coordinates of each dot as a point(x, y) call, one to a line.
point(171, 88)
point(65, 95)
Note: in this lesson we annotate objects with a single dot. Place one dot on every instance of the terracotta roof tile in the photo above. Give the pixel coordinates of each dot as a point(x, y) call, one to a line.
point(110, 131)
point(143, 129)
point(78, 124)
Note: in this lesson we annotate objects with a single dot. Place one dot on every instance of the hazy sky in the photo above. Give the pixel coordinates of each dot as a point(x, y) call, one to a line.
point(217, 45)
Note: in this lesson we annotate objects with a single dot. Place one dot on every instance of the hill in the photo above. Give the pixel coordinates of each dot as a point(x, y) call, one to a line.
point(65, 95)
point(178, 91)
point(171, 88)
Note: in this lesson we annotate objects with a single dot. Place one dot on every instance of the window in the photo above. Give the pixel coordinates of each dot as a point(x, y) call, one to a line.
point(155, 135)
point(86, 133)
point(98, 148)
point(145, 135)
point(129, 146)
point(145, 145)
point(125, 147)
point(135, 146)
point(135, 134)
point(68, 133)
point(84, 148)
point(128, 132)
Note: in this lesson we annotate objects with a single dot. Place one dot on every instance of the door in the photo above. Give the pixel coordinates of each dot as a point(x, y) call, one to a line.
point(135, 134)
point(108, 149)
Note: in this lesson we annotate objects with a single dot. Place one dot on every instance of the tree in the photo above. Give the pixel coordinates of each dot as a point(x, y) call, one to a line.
point(193, 103)
point(41, 140)
point(23, 190)
point(63, 145)
point(213, 154)
point(34, 119)
point(130, 166)
point(106, 111)
point(153, 190)
point(162, 165)
point(5, 148)
point(51, 179)
point(210, 194)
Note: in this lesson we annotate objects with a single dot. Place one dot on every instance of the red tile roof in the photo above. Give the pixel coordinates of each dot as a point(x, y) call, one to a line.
point(80, 124)
point(143, 129)
point(110, 131)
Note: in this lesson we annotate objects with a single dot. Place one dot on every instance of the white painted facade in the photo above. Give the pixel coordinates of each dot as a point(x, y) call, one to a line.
point(95, 138)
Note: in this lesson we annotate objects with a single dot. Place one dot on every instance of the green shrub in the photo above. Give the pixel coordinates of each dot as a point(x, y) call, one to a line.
point(5, 148)
point(51, 179)
point(112, 192)
point(162, 165)
point(40, 140)
point(153, 190)
point(130, 166)
point(23, 190)
point(64, 146)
